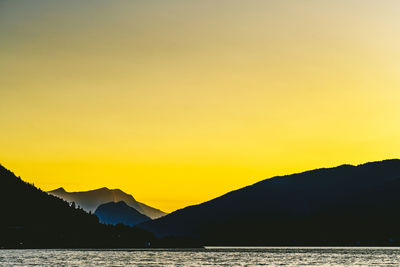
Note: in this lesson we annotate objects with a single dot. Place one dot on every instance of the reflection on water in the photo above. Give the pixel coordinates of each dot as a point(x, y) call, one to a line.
point(225, 256)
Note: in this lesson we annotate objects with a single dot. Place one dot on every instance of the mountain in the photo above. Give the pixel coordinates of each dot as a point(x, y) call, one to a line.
point(90, 200)
point(119, 212)
point(31, 218)
point(345, 205)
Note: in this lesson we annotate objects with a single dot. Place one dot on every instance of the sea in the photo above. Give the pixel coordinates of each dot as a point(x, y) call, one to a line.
point(208, 256)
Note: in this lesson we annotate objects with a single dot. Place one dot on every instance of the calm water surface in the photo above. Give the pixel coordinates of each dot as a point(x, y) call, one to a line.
point(204, 257)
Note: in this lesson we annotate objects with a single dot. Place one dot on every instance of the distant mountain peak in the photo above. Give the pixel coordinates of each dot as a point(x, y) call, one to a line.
point(91, 199)
point(102, 189)
point(58, 190)
point(119, 191)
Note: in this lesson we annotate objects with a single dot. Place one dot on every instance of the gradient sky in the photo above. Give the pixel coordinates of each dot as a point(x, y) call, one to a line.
point(177, 102)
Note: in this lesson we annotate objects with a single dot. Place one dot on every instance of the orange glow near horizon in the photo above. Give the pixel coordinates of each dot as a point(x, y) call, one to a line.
point(177, 102)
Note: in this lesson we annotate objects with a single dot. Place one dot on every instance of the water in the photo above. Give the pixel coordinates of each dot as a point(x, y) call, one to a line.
point(204, 257)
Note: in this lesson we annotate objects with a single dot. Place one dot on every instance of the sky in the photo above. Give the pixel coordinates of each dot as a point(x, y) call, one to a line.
point(178, 102)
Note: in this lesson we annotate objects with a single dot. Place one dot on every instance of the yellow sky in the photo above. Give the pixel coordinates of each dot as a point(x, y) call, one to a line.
point(177, 102)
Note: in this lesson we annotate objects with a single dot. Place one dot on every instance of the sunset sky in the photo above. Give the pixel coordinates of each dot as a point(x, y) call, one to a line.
point(177, 102)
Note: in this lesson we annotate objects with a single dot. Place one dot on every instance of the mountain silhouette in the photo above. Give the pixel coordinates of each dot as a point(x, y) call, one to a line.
point(90, 200)
point(119, 212)
point(31, 218)
point(345, 205)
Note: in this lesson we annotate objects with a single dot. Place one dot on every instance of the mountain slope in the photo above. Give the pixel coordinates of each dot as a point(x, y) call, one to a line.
point(90, 200)
point(31, 218)
point(119, 212)
point(346, 205)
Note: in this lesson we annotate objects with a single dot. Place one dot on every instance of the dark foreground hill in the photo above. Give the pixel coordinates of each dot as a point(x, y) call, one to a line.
point(119, 212)
point(31, 218)
point(346, 205)
point(90, 200)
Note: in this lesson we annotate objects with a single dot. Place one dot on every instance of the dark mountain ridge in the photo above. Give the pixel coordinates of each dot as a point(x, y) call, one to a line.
point(31, 218)
point(345, 205)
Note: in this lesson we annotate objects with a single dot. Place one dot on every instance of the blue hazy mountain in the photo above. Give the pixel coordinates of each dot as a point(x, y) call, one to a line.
point(90, 200)
point(345, 205)
point(119, 212)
